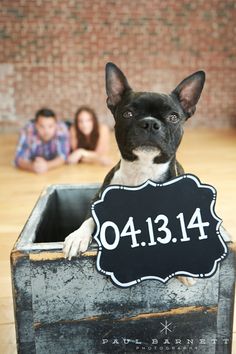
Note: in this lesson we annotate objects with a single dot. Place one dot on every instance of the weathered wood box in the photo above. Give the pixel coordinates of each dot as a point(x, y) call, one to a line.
point(65, 306)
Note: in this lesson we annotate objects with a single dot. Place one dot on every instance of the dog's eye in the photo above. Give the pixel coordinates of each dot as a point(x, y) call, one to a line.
point(127, 114)
point(173, 118)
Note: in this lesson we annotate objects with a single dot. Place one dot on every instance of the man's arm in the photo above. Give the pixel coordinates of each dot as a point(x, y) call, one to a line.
point(39, 165)
point(23, 152)
point(58, 161)
point(25, 164)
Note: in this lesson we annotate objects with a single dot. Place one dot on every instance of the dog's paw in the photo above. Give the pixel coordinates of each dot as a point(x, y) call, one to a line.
point(76, 243)
point(187, 281)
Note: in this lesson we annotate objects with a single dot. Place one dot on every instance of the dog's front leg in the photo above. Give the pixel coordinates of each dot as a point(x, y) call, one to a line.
point(78, 241)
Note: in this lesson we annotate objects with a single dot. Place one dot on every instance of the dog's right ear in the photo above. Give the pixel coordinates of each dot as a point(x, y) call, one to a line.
point(116, 84)
point(189, 91)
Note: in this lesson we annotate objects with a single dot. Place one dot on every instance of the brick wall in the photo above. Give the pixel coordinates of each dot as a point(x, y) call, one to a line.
point(53, 53)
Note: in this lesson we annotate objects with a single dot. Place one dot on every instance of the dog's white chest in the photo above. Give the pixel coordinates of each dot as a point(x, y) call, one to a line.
point(139, 171)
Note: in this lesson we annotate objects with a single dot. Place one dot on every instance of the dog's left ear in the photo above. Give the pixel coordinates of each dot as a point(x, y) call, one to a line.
point(189, 91)
point(116, 85)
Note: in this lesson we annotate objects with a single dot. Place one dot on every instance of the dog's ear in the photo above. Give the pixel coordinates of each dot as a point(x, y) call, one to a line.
point(189, 91)
point(116, 84)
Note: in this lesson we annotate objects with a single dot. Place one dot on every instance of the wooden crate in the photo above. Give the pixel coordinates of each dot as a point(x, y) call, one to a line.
point(65, 306)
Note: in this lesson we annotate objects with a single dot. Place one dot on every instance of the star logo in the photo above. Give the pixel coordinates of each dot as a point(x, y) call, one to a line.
point(166, 328)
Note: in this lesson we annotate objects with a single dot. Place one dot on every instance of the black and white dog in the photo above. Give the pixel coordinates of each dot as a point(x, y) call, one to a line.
point(148, 130)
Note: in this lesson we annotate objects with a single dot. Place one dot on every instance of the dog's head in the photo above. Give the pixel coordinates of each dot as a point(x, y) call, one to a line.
point(149, 121)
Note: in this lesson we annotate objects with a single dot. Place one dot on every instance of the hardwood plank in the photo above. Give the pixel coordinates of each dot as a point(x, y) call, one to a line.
point(6, 310)
point(7, 339)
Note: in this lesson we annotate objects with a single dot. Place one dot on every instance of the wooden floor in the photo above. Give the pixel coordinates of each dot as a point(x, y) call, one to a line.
point(208, 154)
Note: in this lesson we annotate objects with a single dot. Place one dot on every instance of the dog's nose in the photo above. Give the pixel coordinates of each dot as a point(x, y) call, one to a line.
point(150, 124)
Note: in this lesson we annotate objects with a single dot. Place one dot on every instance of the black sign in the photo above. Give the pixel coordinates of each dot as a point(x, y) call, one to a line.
point(157, 231)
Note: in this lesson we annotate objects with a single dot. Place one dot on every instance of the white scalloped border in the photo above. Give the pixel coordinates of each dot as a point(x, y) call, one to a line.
point(154, 184)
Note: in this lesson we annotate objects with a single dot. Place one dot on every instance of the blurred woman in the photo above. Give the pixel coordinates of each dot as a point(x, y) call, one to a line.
point(89, 140)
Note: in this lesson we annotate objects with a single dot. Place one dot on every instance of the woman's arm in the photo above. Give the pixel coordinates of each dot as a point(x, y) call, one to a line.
point(98, 155)
point(102, 149)
point(73, 139)
point(76, 155)
point(104, 140)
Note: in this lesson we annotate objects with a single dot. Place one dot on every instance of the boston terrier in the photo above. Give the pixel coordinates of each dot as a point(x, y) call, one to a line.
point(148, 130)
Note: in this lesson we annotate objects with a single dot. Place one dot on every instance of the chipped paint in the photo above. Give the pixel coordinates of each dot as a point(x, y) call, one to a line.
point(46, 256)
point(173, 312)
point(232, 246)
point(17, 256)
point(52, 256)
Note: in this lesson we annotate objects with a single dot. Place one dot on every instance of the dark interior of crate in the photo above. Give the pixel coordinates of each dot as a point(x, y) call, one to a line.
point(65, 211)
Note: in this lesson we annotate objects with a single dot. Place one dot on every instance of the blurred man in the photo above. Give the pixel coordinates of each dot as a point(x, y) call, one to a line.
point(43, 143)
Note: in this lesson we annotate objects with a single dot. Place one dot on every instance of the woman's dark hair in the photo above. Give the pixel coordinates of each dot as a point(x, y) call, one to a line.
point(88, 143)
point(44, 112)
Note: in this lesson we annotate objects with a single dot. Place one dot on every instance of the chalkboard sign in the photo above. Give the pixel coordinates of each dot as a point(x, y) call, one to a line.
point(158, 231)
